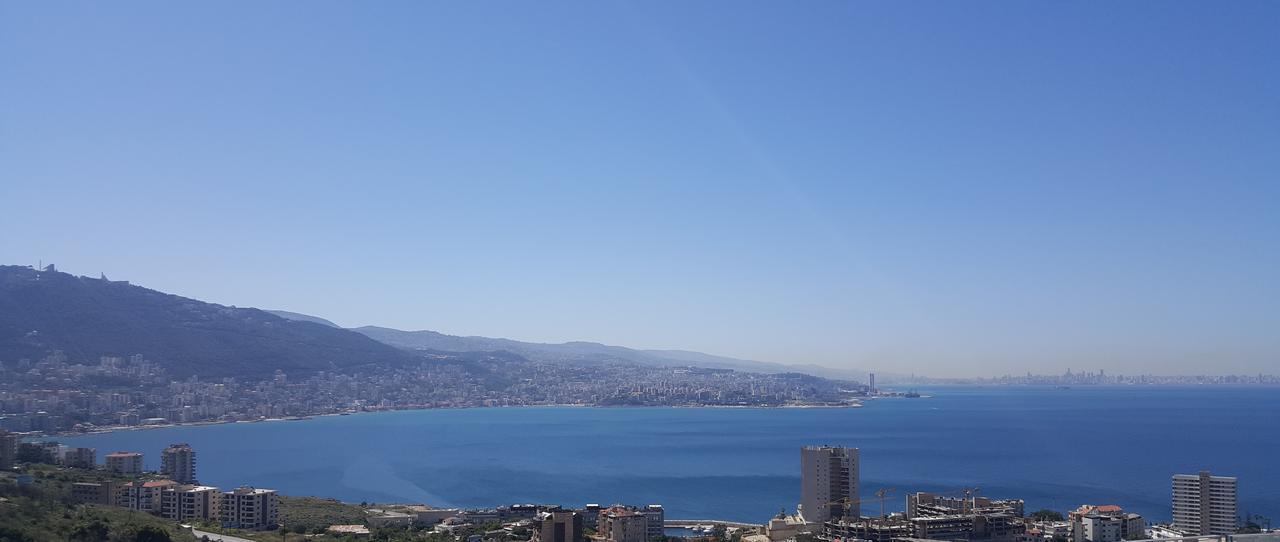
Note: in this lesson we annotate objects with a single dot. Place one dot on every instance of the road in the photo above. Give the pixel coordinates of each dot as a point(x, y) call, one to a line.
point(215, 537)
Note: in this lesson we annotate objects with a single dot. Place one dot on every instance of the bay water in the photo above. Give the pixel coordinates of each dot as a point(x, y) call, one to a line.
point(1055, 448)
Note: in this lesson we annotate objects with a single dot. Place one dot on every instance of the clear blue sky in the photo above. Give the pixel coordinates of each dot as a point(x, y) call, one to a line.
point(950, 188)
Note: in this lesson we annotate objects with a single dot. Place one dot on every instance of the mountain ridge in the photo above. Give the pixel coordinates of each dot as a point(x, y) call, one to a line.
point(297, 316)
point(42, 311)
point(587, 351)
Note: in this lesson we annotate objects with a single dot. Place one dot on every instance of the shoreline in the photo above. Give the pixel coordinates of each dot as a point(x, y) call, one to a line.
point(122, 428)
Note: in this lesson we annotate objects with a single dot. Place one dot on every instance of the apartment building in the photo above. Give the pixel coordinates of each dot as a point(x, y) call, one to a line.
point(1105, 523)
point(140, 495)
point(124, 462)
point(248, 508)
point(8, 449)
point(178, 463)
point(1204, 504)
point(591, 515)
point(80, 458)
point(557, 526)
point(656, 518)
point(190, 502)
point(91, 493)
point(620, 524)
point(829, 483)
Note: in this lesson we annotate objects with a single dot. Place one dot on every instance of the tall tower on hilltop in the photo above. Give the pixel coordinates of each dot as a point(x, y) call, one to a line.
point(828, 483)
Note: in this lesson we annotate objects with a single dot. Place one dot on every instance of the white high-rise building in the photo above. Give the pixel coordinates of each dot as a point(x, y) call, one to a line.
point(1204, 504)
point(828, 483)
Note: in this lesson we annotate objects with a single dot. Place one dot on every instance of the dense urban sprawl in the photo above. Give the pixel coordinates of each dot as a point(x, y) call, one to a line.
point(54, 395)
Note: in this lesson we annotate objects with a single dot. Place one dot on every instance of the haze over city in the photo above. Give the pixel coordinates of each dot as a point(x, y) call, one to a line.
point(951, 191)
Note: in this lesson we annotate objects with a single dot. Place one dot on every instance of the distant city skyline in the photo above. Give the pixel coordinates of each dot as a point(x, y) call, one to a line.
point(950, 190)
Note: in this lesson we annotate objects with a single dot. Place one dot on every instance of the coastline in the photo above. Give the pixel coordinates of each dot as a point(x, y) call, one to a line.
point(121, 428)
point(460, 458)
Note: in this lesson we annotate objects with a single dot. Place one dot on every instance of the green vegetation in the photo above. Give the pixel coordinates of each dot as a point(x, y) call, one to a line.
point(44, 511)
point(314, 514)
point(1046, 514)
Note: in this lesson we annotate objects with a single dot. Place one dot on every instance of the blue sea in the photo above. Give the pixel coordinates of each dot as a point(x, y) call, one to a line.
point(1055, 448)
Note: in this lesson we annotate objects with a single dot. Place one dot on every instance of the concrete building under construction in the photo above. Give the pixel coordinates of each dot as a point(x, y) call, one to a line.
point(937, 517)
point(933, 504)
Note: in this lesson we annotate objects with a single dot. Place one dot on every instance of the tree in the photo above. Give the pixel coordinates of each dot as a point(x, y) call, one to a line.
point(89, 532)
point(1249, 528)
point(1046, 514)
point(13, 534)
point(151, 534)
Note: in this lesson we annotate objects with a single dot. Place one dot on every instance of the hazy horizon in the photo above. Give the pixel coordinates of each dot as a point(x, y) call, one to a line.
point(945, 189)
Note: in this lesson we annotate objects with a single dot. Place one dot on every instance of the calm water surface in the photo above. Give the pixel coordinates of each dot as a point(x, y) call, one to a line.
point(1054, 448)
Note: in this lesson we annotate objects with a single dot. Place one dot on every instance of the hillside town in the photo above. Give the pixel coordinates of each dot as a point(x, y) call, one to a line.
point(53, 394)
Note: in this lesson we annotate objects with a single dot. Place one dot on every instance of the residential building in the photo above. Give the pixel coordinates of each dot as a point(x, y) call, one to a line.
point(784, 527)
point(140, 495)
point(1134, 526)
point(426, 515)
point(620, 524)
point(124, 462)
point(38, 452)
point(1204, 504)
point(1090, 523)
point(81, 458)
point(190, 502)
point(557, 526)
point(828, 483)
point(8, 449)
point(178, 462)
point(91, 493)
point(389, 518)
point(656, 518)
point(591, 516)
point(1049, 530)
point(249, 508)
point(1097, 528)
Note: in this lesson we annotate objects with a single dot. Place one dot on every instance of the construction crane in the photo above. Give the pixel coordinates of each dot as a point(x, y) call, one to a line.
point(847, 503)
point(881, 494)
point(971, 499)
